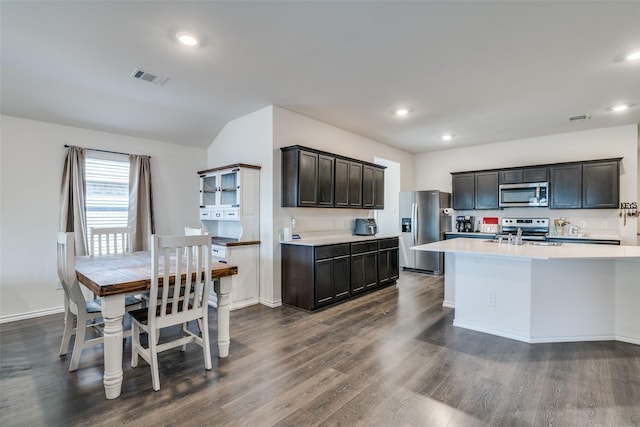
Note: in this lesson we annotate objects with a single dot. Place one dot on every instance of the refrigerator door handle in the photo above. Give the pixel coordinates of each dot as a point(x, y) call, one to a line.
point(414, 222)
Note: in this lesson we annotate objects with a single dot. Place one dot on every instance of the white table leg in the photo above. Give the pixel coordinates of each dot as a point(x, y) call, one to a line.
point(222, 287)
point(112, 313)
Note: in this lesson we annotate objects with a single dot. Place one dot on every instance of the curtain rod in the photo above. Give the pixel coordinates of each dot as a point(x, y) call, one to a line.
point(103, 151)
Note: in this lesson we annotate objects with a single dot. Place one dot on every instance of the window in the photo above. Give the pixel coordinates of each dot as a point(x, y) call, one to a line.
point(107, 191)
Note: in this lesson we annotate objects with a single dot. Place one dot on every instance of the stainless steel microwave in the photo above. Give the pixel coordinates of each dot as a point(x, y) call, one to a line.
point(525, 194)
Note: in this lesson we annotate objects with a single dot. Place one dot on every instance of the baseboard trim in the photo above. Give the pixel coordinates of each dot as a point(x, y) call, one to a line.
point(31, 314)
point(449, 304)
point(271, 304)
point(630, 340)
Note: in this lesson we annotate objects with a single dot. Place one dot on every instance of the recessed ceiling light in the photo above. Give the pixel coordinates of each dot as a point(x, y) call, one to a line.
point(634, 56)
point(446, 137)
point(187, 39)
point(620, 107)
point(401, 112)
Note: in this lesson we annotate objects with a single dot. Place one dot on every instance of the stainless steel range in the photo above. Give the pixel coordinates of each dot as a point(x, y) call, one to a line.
point(532, 228)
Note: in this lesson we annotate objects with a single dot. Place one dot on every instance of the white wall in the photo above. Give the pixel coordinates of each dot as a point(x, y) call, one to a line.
point(433, 170)
point(32, 156)
point(256, 139)
point(249, 139)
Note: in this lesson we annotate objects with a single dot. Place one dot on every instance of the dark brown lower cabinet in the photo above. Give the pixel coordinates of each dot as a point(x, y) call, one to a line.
point(364, 266)
point(317, 276)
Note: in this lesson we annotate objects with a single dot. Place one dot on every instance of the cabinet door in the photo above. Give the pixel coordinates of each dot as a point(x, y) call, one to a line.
point(394, 264)
point(463, 191)
point(341, 277)
point(208, 190)
point(341, 183)
point(511, 176)
point(383, 266)
point(368, 187)
point(325, 180)
point(378, 188)
point(355, 185)
point(486, 190)
point(324, 293)
point(565, 186)
point(370, 269)
point(307, 179)
point(600, 185)
point(357, 274)
point(535, 174)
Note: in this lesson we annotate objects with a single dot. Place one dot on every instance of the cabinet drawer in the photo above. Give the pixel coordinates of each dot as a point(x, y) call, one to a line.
point(231, 214)
point(357, 248)
point(331, 251)
point(388, 243)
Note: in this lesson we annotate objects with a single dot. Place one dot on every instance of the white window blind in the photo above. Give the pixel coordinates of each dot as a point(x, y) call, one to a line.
point(107, 191)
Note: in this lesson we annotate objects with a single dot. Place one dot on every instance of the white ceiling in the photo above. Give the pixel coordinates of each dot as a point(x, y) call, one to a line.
point(485, 71)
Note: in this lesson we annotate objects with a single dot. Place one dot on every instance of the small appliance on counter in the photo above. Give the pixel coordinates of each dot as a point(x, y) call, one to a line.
point(464, 224)
point(365, 227)
point(489, 225)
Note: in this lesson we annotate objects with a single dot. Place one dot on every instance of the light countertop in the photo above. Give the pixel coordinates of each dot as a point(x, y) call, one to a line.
point(565, 251)
point(335, 239)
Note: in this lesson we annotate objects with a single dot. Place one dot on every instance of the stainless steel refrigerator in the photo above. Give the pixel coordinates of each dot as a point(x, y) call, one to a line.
point(422, 220)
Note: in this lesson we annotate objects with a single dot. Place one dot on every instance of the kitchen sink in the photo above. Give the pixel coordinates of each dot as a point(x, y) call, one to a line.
point(528, 242)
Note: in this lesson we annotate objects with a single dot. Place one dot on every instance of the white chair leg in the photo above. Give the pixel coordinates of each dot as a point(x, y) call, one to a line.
point(135, 343)
point(155, 374)
point(81, 330)
point(185, 327)
point(67, 332)
point(204, 331)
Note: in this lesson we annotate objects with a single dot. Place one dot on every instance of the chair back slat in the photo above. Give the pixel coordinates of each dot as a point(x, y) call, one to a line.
point(191, 266)
point(110, 240)
point(67, 271)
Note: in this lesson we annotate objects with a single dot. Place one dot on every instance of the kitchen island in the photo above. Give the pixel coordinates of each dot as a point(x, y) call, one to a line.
point(543, 293)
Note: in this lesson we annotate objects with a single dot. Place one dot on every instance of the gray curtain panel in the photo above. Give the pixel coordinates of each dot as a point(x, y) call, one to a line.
point(140, 202)
point(72, 199)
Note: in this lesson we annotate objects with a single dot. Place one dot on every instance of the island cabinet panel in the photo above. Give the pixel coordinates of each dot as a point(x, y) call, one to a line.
point(565, 184)
point(314, 277)
point(486, 190)
point(600, 185)
point(463, 191)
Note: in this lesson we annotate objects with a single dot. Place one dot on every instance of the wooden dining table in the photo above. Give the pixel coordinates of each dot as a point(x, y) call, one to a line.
point(112, 277)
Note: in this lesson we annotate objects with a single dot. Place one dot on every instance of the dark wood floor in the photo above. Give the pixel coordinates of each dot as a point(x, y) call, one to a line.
point(391, 358)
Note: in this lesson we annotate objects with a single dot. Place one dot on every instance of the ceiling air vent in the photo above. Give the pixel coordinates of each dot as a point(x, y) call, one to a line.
point(580, 117)
point(143, 75)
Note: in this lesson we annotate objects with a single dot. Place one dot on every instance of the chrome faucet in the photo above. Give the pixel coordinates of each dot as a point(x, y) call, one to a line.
point(518, 240)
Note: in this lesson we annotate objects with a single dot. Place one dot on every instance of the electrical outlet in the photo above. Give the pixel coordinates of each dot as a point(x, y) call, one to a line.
point(491, 300)
point(58, 284)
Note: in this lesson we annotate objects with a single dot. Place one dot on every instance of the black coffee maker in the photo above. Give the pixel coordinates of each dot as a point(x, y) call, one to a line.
point(464, 224)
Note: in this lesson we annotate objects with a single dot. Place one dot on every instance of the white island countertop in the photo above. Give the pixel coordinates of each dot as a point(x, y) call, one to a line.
point(533, 251)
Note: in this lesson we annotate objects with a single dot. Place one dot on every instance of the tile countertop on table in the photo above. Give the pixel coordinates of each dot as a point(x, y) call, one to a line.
point(321, 240)
point(533, 251)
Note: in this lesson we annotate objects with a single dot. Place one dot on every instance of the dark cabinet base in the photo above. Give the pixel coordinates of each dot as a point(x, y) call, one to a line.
point(315, 277)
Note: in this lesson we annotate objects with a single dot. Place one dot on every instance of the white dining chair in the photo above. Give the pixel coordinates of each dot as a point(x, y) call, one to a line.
point(115, 240)
point(110, 240)
point(189, 231)
point(77, 309)
point(174, 305)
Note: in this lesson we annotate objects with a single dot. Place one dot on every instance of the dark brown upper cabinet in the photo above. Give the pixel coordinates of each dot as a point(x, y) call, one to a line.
point(463, 191)
point(372, 187)
point(520, 175)
point(486, 189)
point(348, 183)
point(585, 185)
point(313, 178)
